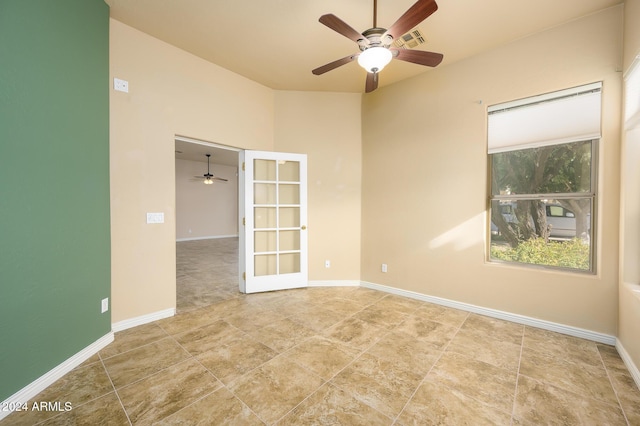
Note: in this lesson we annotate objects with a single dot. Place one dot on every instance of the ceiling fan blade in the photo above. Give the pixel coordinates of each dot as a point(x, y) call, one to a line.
point(220, 179)
point(417, 13)
point(334, 64)
point(419, 57)
point(339, 26)
point(372, 82)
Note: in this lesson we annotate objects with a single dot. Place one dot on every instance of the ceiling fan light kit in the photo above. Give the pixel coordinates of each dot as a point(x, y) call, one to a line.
point(374, 59)
point(375, 42)
point(208, 177)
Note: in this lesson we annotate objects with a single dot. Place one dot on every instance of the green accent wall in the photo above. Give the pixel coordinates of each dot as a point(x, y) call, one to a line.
point(55, 262)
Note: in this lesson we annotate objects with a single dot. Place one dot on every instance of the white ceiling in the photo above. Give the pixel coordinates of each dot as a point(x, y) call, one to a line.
point(278, 42)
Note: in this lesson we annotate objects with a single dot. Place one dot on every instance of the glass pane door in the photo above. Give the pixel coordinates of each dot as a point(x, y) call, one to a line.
point(275, 241)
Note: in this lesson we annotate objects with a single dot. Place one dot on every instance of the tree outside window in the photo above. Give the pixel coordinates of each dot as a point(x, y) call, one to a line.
point(541, 204)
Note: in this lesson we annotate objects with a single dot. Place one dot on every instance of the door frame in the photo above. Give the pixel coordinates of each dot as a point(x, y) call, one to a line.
point(211, 145)
point(241, 202)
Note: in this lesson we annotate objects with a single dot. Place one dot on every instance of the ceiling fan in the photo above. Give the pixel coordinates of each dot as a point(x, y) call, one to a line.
point(374, 43)
point(208, 177)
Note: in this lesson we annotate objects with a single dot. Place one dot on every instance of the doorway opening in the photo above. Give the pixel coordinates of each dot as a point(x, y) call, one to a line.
point(206, 223)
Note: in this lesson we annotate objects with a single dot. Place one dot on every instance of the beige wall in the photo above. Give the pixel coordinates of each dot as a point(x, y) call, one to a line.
point(174, 93)
point(406, 169)
point(327, 127)
point(425, 177)
point(205, 211)
point(629, 296)
point(631, 31)
point(170, 93)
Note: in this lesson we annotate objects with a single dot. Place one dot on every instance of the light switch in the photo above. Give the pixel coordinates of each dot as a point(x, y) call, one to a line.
point(155, 217)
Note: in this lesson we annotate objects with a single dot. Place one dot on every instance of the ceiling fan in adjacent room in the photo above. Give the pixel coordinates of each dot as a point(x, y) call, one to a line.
point(208, 177)
point(374, 43)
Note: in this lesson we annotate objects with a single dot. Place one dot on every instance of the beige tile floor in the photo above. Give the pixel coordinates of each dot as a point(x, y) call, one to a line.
point(328, 356)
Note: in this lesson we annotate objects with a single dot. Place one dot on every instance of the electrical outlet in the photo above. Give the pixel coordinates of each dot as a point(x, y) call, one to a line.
point(105, 305)
point(384, 267)
point(327, 264)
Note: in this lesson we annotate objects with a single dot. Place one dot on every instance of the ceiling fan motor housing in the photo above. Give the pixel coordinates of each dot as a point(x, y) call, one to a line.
point(373, 38)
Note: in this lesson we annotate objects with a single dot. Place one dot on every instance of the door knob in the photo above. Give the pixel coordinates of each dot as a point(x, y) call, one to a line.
point(303, 227)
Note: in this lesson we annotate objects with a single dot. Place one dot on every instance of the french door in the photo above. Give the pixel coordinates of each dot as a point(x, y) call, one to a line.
point(273, 216)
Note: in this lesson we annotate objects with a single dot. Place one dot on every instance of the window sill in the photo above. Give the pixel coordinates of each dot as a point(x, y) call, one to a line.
point(633, 289)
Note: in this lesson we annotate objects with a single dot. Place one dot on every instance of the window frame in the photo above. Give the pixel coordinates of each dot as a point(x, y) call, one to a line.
point(591, 194)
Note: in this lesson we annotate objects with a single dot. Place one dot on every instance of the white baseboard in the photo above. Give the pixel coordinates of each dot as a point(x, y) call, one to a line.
point(143, 319)
point(47, 379)
point(334, 283)
point(494, 313)
point(631, 366)
point(178, 240)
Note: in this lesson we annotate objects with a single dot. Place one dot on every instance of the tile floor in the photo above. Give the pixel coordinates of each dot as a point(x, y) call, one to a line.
point(328, 356)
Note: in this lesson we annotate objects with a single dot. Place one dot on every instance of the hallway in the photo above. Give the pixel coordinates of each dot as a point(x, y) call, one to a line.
point(206, 272)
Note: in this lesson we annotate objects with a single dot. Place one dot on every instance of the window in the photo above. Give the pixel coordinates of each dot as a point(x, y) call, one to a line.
point(543, 189)
point(631, 177)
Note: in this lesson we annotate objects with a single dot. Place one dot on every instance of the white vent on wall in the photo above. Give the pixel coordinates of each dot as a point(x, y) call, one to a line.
point(409, 40)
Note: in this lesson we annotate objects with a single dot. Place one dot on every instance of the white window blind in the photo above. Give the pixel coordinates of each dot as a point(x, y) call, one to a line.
point(632, 96)
point(565, 116)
